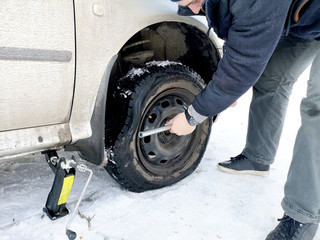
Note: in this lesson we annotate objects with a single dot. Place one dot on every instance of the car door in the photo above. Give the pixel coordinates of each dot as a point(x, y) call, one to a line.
point(37, 63)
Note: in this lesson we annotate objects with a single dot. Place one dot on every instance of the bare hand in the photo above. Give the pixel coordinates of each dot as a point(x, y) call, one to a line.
point(233, 104)
point(180, 125)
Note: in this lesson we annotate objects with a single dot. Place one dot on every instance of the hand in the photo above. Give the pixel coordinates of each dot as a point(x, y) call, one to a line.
point(233, 104)
point(180, 125)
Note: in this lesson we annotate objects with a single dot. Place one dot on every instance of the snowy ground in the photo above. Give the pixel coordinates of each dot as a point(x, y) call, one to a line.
point(207, 205)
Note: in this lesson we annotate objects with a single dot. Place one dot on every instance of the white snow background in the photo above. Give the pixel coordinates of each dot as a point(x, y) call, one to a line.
point(207, 205)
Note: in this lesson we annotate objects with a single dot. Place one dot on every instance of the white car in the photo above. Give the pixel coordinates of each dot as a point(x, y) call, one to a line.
point(88, 76)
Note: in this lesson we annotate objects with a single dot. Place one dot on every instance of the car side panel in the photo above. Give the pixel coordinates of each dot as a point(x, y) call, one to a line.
point(37, 63)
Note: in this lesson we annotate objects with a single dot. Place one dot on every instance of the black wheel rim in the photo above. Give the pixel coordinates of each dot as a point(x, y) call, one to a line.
point(165, 153)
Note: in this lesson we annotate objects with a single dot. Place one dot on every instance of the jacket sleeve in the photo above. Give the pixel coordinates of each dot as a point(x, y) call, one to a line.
point(252, 37)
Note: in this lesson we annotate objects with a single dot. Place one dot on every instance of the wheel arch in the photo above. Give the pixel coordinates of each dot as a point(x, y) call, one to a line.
point(167, 41)
point(174, 41)
point(170, 40)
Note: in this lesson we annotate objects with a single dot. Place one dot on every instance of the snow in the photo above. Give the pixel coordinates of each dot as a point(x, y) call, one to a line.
point(162, 63)
point(209, 204)
point(136, 72)
point(140, 71)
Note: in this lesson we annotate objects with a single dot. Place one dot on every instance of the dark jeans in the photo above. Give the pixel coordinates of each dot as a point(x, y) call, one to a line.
point(266, 117)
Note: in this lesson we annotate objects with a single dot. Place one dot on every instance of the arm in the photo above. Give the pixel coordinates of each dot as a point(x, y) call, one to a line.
point(252, 38)
point(255, 31)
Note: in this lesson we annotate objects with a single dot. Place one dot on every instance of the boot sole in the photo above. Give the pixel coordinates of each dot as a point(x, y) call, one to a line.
point(248, 172)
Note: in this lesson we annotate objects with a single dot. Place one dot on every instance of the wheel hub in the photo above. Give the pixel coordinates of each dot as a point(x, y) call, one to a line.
point(166, 137)
point(164, 152)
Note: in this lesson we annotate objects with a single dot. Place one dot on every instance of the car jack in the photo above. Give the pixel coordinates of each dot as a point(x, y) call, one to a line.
point(65, 171)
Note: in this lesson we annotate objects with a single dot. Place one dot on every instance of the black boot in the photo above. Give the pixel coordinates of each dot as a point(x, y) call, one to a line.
point(242, 165)
point(289, 229)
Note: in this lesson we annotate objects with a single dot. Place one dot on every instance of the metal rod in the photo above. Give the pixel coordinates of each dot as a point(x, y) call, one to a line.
point(81, 168)
point(154, 131)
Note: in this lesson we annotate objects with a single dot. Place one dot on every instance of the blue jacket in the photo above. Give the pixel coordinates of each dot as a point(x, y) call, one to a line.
point(251, 29)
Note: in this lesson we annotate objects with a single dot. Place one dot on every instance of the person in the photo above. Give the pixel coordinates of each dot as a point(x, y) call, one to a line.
point(268, 44)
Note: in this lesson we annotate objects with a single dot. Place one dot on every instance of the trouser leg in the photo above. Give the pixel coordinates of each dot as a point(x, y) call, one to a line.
point(271, 94)
point(302, 189)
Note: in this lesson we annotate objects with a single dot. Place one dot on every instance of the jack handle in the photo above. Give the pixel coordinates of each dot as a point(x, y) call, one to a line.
point(82, 168)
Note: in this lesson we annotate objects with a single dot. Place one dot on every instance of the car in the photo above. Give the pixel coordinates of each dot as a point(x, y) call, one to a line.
point(88, 76)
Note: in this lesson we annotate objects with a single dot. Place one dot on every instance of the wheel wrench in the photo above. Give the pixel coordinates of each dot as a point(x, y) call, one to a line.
point(154, 131)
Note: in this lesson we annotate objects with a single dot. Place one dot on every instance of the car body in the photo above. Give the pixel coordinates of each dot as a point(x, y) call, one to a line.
point(59, 58)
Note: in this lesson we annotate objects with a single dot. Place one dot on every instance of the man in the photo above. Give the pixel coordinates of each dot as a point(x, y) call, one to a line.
point(268, 44)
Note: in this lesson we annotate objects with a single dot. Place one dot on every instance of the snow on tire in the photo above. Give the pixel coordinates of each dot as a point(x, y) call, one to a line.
point(145, 99)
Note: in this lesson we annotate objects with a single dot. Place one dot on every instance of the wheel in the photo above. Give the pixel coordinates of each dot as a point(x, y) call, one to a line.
point(145, 99)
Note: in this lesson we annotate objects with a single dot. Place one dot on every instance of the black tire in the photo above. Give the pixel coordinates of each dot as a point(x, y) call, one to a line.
point(143, 100)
